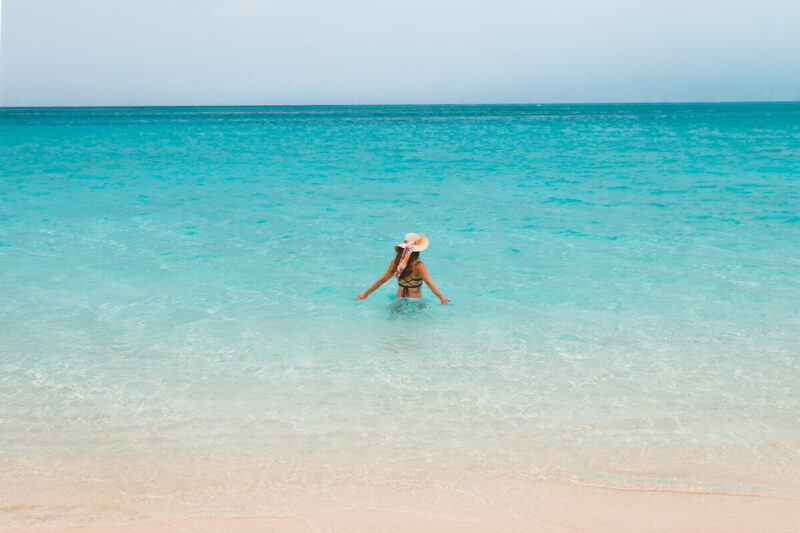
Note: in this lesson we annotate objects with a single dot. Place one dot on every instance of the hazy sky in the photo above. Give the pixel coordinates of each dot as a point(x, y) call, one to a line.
point(194, 52)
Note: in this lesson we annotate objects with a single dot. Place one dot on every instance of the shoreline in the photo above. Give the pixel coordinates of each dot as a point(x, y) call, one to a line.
point(547, 506)
point(427, 489)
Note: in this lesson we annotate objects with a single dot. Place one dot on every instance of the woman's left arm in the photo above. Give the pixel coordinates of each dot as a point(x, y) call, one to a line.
point(423, 272)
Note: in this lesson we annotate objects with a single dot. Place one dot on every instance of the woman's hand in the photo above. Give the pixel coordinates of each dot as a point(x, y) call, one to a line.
point(444, 299)
point(362, 295)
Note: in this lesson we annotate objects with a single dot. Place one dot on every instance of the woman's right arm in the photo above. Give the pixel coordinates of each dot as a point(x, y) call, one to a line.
point(386, 276)
point(423, 272)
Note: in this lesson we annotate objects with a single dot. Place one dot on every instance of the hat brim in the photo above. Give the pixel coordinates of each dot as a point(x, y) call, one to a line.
point(417, 247)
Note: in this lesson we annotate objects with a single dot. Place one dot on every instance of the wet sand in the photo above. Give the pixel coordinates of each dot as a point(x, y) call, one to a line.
point(550, 507)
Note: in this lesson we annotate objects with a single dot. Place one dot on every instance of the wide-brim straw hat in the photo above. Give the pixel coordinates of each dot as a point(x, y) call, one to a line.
point(420, 242)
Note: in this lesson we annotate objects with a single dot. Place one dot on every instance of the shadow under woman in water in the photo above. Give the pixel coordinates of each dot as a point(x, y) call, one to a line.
point(410, 273)
point(406, 307)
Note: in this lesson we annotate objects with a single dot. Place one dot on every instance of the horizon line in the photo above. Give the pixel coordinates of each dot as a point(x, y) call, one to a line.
point(496, 104)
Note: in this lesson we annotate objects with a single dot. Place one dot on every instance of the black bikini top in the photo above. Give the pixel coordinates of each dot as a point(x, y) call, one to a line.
point(409, 283)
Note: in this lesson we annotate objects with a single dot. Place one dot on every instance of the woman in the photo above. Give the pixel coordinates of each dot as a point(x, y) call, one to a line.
point(410, 271)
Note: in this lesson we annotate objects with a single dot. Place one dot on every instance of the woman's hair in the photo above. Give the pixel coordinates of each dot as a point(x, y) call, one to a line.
point(413, 258)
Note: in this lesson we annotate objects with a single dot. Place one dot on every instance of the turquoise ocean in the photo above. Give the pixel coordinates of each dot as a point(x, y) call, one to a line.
point(178, 330)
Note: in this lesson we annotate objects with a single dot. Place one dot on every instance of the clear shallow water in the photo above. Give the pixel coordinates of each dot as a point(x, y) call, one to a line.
point(177, 285)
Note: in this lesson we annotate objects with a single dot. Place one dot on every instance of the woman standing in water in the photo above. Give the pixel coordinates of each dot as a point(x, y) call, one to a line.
point(410, 271)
